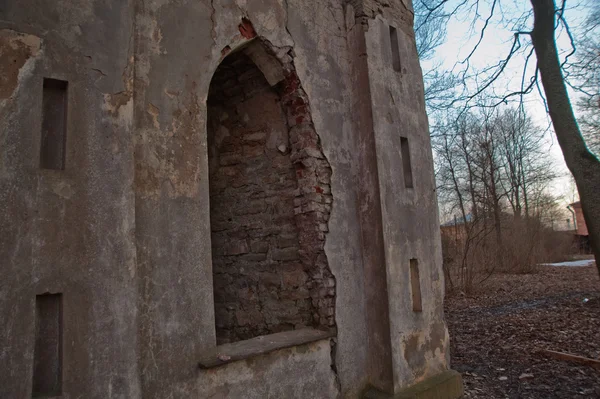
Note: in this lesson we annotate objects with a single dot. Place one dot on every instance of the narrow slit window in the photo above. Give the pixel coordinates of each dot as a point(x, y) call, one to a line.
point(47, 358)
point(415, 283)
point(406, 164)
point(54, 124)
point(395, 49)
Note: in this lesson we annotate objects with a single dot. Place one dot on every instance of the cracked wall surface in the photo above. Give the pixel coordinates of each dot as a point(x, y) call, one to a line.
point(419, 340)
point(268, 211)
point(68, 231)
point(124, 231)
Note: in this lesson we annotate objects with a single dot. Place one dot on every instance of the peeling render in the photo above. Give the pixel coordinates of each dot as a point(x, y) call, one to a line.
point(190, 214)
point(16, 51)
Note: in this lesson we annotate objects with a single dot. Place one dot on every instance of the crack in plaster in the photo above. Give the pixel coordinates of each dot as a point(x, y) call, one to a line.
point(213, 31)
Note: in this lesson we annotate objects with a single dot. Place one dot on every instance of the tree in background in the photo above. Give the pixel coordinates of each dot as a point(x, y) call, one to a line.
point(584, 166)
point(493, 172)
point(430, 33)
point(535, 44)
point(584, 76)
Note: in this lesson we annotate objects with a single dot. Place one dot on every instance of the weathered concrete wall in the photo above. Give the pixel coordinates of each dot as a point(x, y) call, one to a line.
point(379, 354)
point(300, 372)
point(68, 231)
point(176, 326)
point(410, 220)
point(124, 232)
point(399, 11)
point(172, 187)
point(176, 321)
point(318, 30)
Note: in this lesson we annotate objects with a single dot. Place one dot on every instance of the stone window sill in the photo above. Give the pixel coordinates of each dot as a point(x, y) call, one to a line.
point(240, 350)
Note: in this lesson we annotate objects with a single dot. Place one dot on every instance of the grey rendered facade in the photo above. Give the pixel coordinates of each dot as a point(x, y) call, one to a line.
point(273, 233)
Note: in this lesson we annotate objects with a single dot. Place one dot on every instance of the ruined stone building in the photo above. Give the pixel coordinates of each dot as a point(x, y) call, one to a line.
point(217, 199)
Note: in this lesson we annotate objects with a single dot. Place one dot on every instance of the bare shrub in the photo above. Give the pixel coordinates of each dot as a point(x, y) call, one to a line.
point(472, 254)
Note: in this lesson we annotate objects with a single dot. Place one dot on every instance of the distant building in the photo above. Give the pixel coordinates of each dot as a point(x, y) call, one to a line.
point(580, 225)
point(582, 236)
point(455, 228)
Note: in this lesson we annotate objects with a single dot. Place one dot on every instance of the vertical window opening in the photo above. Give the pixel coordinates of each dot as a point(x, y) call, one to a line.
point(415, 283)
point(395, 49)
point(406, 164)
point(47, 364)
point(54, 124)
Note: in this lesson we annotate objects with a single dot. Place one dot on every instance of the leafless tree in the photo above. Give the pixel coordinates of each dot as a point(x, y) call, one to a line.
point(492, 171)
point(537, 45)
point(430, 27)
point(583, 75)
point(584, 166)
point(526, 167)
point(430, 33)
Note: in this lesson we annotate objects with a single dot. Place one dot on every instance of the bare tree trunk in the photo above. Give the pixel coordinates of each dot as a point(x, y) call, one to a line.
point(490, 148)
point(525, 186)
point(463, 266)
point(584, 166)
point(497, 217)
point(471, 175)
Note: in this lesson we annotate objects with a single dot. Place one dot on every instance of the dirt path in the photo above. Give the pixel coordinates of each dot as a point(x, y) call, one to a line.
point(496, 335)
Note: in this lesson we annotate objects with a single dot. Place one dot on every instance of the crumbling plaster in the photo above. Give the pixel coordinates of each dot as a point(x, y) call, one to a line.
point(328, 95)
point(270, 200)
point(54, 224)
point(124, 230)
point(18, 53)
point(318, 30)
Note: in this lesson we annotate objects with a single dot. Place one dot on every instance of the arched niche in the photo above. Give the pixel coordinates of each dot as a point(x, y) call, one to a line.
point(270, 199)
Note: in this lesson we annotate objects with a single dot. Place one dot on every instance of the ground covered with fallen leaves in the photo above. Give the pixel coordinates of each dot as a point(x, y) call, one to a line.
point(498, 334)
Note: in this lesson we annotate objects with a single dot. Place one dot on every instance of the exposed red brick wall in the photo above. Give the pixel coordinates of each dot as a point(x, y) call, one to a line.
point(314, 200)
point(246, 29)
point(270, 202)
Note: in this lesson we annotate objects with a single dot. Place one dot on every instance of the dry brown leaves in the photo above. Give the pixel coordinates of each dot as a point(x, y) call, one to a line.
point(496, 334)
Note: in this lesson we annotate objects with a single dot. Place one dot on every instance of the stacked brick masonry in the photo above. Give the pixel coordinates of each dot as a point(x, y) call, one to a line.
point(313, 200)
point(270, 202)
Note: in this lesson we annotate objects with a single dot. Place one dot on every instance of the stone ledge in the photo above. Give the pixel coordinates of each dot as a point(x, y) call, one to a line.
point(446, 385)
point(240, 350)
